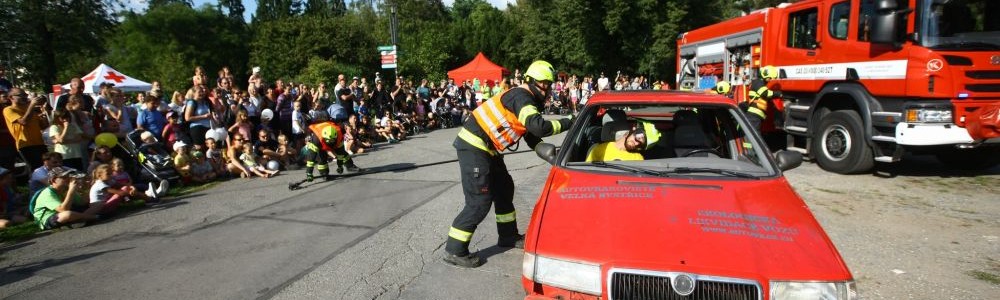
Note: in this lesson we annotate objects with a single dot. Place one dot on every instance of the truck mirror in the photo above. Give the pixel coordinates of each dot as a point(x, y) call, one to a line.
point(885, 28)
point(546, 151)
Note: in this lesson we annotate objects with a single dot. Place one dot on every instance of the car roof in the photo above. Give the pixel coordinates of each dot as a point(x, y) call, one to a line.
point(658, 97)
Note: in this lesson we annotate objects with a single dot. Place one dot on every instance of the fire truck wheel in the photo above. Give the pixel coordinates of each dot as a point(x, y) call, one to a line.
point(970, 159)
point(839, 146)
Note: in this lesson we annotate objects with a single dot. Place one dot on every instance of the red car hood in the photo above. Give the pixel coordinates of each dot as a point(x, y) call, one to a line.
point(758, 229)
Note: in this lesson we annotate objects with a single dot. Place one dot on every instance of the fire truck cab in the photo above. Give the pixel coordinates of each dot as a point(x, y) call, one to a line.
point(865, 80)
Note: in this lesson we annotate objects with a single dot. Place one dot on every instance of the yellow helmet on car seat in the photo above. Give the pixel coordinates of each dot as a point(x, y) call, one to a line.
point(541, 70)
point(769, 72)
point(329, 134)
point(722, 87)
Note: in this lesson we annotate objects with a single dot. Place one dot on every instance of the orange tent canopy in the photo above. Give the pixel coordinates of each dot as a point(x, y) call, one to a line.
point(480, 67)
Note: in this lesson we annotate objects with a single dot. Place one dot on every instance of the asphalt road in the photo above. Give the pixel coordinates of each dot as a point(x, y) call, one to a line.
point(381, 235)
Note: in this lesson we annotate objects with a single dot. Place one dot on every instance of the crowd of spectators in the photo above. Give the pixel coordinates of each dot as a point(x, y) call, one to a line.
point(216, 129)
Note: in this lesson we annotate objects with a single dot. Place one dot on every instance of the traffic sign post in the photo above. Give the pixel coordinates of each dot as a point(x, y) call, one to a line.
point(388, 55)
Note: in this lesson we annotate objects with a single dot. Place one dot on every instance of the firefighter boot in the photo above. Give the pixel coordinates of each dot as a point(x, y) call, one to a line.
point(353, 168)
point(518, 242)
point(470, 260)
point(340, 167)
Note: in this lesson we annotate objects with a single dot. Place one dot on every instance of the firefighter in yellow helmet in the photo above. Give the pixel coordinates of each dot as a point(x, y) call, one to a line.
point(326, 140)
point(722, 88)
point(495, 125)
point(760, 95)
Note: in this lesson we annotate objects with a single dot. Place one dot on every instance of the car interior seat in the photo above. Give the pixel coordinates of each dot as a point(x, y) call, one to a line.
point(689, 134)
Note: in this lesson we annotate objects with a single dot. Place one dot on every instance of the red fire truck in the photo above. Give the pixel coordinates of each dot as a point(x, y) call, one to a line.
point(865, 80)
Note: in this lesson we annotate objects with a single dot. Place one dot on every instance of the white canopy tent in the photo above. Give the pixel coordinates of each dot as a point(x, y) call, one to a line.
point(104, 73)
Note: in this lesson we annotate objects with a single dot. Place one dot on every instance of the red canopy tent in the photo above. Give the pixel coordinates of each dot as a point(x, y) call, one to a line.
point(480, 67)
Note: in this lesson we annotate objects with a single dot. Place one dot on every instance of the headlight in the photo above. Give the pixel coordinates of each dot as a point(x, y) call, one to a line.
point(575, 276)
point(790, 290)
point(928, 115)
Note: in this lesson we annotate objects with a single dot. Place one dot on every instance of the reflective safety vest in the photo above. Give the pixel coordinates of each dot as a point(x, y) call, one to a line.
point(758, 100)
point(499, 123)
point(317, 133)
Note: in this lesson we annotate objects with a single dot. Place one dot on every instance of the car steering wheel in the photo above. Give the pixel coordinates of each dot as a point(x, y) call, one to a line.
point(706, 150)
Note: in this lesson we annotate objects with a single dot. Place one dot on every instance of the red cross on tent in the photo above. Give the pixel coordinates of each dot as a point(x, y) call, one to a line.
point(113, 76)
point(104, 73)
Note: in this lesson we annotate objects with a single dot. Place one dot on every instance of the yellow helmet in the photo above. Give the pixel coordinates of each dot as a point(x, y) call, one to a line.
point(648, 132)
point(329, 134)
point(541, 70)
point(722, 87)
point(769, 72)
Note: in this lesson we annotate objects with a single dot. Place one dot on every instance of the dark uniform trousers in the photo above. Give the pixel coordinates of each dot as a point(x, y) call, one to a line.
point(485, 180)
point(315, 157)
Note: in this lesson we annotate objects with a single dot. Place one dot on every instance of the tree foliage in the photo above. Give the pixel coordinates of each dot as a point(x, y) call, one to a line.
point(167, 42)
point(313, 39)
point(53, 41)
point(284, 48)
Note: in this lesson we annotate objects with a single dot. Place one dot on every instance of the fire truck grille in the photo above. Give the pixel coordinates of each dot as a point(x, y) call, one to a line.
point(984, 88)
point(983, 74)
point(625, 286)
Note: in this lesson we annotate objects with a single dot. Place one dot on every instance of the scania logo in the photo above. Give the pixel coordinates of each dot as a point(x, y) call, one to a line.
point(683, 284)
point(995, 60)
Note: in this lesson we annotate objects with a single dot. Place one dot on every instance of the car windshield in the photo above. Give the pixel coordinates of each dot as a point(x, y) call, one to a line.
point(668, 140)
point(960, 24)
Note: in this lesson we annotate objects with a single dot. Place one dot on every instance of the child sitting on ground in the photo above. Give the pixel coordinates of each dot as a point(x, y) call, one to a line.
point(120, 179)
point(182, 161)
point(214, 156)
point(201, 170)
point(104, 198)
point(286, 153)
point(250, 162)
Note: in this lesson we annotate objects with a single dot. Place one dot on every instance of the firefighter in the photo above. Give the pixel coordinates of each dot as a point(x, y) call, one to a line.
point(495, 125)
point(326, 140)
point(723, 88)
point(760, 95)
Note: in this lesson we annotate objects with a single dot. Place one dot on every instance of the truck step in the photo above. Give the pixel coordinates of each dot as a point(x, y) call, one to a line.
point(884, 138)
point(797, 149)
point(795, 128)
point(886, 159)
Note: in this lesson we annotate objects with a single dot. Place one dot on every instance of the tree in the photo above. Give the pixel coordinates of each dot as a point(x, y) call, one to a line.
point(234, 8)
point(161, 45)
point(268, 10)
point(53, 41)
point(157, 3)
point(287, 48)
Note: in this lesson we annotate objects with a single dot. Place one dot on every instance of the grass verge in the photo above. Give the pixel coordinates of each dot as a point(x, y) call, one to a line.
point(26, 230)
point(985, 276)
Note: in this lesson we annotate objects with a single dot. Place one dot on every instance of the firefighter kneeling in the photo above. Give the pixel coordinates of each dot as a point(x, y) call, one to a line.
point(497, 124)
point(326, 140)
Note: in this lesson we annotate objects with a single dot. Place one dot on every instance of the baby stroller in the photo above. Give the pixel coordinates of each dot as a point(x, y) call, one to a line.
point(154, 161)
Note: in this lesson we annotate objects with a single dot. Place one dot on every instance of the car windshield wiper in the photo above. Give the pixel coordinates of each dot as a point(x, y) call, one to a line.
point(636, 170)
point(686, 170)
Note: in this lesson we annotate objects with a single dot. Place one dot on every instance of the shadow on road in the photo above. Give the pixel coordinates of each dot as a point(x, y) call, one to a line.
point(926, 166)
point(485, 254)
point(13, 246)
point(17, 273)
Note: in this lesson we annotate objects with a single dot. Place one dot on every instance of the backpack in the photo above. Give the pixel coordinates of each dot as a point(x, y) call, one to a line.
point(31, 204)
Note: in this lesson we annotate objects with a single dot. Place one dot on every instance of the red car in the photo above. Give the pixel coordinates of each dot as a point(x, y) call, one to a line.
point(668, 195)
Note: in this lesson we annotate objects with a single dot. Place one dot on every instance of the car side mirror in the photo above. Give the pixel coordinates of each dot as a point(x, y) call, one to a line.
point(546, 151)
point(788, 160)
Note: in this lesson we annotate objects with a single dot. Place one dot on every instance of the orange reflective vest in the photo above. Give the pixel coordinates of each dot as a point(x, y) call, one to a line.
point(317, 132)
point(499, 123)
